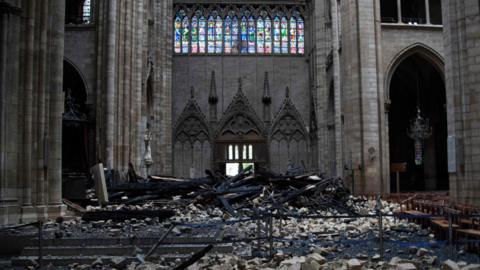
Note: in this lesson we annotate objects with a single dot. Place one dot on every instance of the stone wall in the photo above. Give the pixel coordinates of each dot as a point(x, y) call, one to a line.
point(80, 51)
point(282, 72)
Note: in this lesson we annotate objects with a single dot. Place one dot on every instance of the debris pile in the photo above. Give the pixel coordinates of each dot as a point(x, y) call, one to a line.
point(246, 192)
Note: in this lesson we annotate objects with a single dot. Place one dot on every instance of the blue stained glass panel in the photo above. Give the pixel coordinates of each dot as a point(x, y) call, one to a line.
point(202, 25)
point(235, 35)
point(218, 34)
point(293, 35)
point(301, 36)
point(268, 35)
point(244, 35)
point(251, 35)
point(185, 35)
point(276, 35)
point(177, 33)
point(194, 30)
point(284, 34)
point(228, 35)
point(260, 36)
point(211, 35)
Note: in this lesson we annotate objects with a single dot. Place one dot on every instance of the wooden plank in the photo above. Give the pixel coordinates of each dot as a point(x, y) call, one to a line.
point(100, 184)
point(75, 207)
point(470, 232)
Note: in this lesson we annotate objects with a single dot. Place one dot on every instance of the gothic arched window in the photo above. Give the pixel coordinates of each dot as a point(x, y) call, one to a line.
point(211, 35)
point(251, 35)
point(178, 34)
point(218, 34)
point(284, 34)
point(276, 35)
point(228, 35)
point(260, 36)
point(194, 30)
point(202, 34)
point(301, 36)
point(244, 35)
point(240, 30)
point(293, 35)
point(268, 35)
point(185, 35)
point(235, 35)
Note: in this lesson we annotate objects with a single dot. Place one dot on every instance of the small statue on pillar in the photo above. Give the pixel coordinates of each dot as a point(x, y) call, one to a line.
point(147, 157)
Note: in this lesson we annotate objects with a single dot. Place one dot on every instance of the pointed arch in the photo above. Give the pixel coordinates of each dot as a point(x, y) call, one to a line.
point(288, 123)
point(240, 119)
point(423, 50)
point(191, 124)
point(192, 142)
point(288, 137)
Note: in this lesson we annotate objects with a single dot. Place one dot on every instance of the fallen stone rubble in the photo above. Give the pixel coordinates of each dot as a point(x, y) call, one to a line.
point(315, 224)
point(313, 261)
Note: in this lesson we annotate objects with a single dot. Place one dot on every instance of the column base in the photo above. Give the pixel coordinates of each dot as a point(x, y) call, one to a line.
point(28, 214)
point(56, 210)
point(9, 212)
point(42, 212)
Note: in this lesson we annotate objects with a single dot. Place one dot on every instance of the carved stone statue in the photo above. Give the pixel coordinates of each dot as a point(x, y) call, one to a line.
point(147, 157)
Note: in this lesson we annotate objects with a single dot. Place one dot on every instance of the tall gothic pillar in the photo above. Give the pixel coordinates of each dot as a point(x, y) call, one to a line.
point(57, 13)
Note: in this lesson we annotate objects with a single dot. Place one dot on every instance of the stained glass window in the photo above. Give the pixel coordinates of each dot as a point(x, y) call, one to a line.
point(178, 34)
point(211, 35)
point(218, 34)
point(185, 35)
point(276, 35)
point(284, 34)
point(86, 11)
point(235, 35)
point(301, 36)
point(244, 35)
point(268, 35)
point(260, 36)
point(251, 35)
point(228, 35)
point(293, 35)
point(194, 30)
point(202, 25)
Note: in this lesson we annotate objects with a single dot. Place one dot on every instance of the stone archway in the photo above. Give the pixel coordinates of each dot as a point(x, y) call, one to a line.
point(417, 80)
point(77, 129)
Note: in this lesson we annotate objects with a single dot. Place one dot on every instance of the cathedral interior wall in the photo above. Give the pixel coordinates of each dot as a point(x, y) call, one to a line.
point(395, 40)
point(80, 50)
point(284, 71)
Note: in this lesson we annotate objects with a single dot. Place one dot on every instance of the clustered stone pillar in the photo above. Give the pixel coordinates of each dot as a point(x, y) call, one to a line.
point(56, 107)
point(31, 73)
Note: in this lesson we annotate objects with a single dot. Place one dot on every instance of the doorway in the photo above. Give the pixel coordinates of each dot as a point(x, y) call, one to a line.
point(417, 83)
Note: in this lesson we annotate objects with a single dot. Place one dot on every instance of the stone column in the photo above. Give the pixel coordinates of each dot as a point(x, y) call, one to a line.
point(3, 75)
point(336, 89)
point(26, 160)
point(320, 51)
point(10, 125)
point(399, 10)
point(57, 13)
point(427, 11)
point(110, 82)
point(40, 131)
